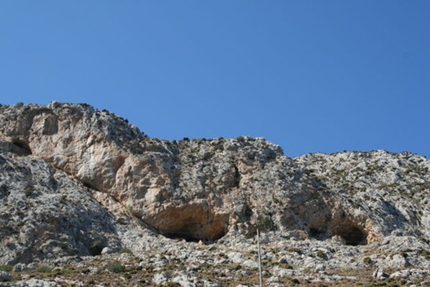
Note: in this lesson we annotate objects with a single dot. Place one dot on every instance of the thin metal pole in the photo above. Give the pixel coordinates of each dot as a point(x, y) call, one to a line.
point(259, 257)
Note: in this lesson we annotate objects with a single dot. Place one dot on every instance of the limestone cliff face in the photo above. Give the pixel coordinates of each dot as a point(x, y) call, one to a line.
point(205, 189)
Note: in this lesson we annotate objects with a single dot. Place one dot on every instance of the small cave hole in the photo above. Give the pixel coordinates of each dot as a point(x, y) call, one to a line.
point(354, 236)
point(247, 212)
point(88, 185)
point(21, 147)
point(96, 247)
point(237, 177)
point(317, 233)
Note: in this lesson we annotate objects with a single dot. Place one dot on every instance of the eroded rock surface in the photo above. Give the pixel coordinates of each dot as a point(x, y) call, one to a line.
point(75, 180)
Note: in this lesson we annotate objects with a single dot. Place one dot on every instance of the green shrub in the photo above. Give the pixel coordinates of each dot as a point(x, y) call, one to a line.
point(43, 269)
point(115, 267)
point(6, 268)
point(125, 250)
point(425, 254)
point(265, 224)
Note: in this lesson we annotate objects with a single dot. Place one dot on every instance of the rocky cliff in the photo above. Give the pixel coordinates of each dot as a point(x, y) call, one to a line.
point(76, 181)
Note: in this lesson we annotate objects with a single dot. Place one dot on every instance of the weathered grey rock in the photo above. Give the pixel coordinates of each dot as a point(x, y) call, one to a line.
point(183, 279)
point(48, 214)
point(160, 278)
point(78, 182)
point(380, 274)
point(19, 267)
point(33, 282)
point(106, 250)
point(4, 276)
point(397, 260)
point(211, 284)
point(410, 274)
point(201, 189)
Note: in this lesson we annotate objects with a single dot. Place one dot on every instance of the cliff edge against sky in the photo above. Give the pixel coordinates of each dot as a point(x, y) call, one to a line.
point(76, 181)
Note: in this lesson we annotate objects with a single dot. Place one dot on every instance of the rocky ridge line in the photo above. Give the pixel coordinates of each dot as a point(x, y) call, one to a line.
point(76, 180)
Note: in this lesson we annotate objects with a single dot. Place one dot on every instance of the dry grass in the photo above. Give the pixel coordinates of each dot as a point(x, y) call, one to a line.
point(226, 274)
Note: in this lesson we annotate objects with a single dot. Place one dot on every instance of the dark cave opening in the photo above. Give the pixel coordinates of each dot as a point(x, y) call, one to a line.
point(96, 247)
point(191, 234)
point(191, 223)
point(181, 236)
point(354, 236)
point(317, 233)
point(21, 147)
point(194, 232)
point(187, 231)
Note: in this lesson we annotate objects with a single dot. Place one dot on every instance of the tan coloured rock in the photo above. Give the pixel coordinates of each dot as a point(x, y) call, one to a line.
point(75, 181)
point(204, 188)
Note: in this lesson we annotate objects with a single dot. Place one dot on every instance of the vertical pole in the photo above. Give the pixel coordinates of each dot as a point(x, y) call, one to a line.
point(259, 256)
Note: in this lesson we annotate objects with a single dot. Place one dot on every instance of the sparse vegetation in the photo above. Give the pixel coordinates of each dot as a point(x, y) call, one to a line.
point(125, 250)
point(130, 209)
point(321, 254)
point(425, 254)
point(42, 269)
point(6, 268)
point(29, 190)
point(265, 224)
point(298, 204)
point(63, 198)
point(115, 267)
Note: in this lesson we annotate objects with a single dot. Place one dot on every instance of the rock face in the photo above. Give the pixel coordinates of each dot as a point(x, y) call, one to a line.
point(75, 180)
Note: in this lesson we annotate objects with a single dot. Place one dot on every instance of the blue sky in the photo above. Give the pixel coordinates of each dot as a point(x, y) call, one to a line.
point(311, 76)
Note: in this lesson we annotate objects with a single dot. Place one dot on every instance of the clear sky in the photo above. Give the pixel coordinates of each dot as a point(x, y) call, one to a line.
point(311, 76)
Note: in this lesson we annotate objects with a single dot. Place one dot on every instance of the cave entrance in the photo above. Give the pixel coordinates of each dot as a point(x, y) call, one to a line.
point(354, 236)
point(21, 147)
point(318, 233)
point(191, 223)
point(349, 229)
point(192, 232)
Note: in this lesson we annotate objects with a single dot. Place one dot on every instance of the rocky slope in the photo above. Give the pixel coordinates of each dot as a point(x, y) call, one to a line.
point(76, 181)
